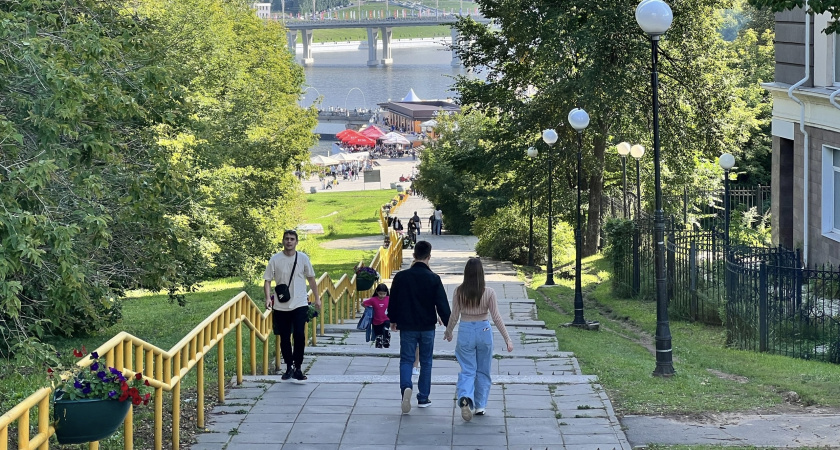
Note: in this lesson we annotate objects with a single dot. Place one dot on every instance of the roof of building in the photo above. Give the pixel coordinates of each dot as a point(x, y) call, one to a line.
point(422, 110)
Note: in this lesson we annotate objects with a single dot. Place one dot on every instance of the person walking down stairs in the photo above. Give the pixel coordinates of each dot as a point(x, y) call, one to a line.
point(379, 303)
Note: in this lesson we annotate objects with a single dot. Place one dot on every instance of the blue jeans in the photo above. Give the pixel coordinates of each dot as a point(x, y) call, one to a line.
point(474, 351)
point(438, 224)
point(409, 340)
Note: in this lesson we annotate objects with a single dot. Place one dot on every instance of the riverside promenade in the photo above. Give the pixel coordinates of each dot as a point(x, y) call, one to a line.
point(539, 399)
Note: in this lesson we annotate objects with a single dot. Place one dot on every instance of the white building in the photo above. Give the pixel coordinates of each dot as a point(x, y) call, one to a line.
point(263, 10)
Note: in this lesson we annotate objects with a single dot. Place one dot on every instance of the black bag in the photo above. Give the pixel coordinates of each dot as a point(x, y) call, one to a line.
point(282, 290)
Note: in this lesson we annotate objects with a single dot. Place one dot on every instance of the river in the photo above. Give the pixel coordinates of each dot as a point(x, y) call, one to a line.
point(343, 79)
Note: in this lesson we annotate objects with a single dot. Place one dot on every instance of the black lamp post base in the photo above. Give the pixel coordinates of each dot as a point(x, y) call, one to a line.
point(666, 370)
point(587, 325)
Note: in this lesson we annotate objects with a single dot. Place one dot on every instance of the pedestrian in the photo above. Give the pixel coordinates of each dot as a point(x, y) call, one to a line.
point(474, 303)
point(398, 226)
point(290, 269)
point(416, 219)
point(417, 300)
point(438, 221)
point(379, 302)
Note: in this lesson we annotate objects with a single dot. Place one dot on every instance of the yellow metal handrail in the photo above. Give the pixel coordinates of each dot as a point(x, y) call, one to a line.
point(166, 368)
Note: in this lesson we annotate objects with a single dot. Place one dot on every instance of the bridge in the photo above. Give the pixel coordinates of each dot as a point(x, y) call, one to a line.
point(357, 118)
point(376, 29)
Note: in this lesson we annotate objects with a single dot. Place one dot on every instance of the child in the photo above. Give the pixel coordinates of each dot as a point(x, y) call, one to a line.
point(379, 302)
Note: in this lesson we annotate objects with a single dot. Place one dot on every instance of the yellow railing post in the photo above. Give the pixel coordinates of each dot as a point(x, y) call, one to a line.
point(220, 354)
point(239, 353)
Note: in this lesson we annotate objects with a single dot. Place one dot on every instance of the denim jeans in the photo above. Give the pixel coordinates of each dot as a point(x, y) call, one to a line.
point(438, 224)
point(474, 351)
point(409, 340)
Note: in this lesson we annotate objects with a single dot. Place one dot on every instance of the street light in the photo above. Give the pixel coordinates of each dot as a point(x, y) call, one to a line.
point(624, 150)
point(655, 17)
point(637, 151)
point(550, 137)
point(532, 153)
point(579, 120)
point(727, 162)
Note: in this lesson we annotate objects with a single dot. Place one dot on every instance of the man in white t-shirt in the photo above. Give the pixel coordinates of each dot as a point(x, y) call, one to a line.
point(290, 316)
point(438, 224)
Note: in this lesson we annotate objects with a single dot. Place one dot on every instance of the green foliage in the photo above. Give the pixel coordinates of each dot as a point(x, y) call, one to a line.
point(748, 227)
point(140, 149)
point(92, 201)
point(504, 236)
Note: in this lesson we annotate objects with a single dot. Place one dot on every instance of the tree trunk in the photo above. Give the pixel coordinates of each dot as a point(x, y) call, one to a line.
point(596, 189)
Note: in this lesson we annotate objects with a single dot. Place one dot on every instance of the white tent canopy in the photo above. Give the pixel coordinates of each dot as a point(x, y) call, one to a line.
point(411, 96)
point(394, 138)
point(320, 160)
point(429, 123)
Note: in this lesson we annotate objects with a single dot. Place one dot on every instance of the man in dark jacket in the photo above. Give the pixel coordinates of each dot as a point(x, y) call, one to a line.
point(417, 300)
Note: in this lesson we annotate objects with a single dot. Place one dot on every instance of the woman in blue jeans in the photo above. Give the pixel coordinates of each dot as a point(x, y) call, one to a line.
point(473, 305)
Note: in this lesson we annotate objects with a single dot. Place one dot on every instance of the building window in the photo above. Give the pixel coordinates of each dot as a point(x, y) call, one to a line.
point(836, 190)
point(836, 59)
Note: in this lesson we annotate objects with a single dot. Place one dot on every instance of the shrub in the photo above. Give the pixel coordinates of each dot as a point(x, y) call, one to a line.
point(504, 236)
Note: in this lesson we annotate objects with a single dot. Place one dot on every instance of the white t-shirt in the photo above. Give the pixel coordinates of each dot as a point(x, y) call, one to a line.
point(278, 270)
point(438, 214)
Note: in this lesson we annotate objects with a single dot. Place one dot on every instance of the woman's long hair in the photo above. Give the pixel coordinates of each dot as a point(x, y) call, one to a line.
point(471, 290)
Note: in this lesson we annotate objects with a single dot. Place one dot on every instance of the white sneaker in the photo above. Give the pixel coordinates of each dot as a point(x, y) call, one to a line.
point(415, 371)
point(406, 401)
point(479, 411)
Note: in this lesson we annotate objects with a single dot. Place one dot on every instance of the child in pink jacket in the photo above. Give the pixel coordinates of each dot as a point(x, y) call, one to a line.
point(379, 302)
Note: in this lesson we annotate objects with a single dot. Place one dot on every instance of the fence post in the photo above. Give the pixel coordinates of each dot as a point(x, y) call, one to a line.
point(797, 280)
point(637, 271)
point(685, 206)
point(759, 203)
point(762, 307)
point(692, 278)
point(672, 264)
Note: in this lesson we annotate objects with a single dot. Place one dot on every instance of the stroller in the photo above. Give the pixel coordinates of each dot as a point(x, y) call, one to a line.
point(408, 239)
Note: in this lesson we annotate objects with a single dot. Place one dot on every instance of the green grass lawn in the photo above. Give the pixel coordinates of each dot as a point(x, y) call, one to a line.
point(153, 318)
point(709, 377)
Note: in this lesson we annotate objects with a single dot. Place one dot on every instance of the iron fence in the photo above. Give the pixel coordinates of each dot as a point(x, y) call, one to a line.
point(762, 296)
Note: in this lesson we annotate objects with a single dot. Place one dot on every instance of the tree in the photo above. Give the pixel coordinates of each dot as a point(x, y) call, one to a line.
point(247, 133)
point(547, 58)
point(92, 202)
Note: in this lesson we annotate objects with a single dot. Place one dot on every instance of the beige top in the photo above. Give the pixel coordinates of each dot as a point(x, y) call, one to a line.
point(487, 307)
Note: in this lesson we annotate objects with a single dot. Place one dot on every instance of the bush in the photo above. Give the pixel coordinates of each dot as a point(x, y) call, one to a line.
point(504, 236)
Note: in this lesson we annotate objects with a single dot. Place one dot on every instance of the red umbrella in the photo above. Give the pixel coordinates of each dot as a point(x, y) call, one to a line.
point(362, 140)
point(373, 132)
point(341, 134)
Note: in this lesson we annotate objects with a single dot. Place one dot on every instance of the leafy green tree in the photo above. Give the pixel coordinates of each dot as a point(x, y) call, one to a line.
point(547, 58)
point(92, 202)
point(247, 133)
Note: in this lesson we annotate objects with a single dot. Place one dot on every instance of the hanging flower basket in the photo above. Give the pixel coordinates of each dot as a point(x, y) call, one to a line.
point(365, 277)
point(88, 419)
point(363, 285)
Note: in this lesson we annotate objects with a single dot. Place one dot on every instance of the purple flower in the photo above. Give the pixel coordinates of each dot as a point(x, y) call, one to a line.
point(94, 355)
point(86, 390)
point(94, 367)
point(114, 371)
point(102, 375)
point(112, 394)
point(78, 384)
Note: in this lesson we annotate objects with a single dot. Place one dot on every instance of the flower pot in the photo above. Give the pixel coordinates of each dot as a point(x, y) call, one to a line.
point(363, 284)
point(88, 420)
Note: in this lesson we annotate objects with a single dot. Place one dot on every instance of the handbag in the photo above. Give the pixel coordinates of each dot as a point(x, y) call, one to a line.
point(282, 290)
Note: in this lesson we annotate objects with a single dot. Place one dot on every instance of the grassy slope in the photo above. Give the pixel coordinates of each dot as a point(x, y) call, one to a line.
point(151, 317)
point(709, 378)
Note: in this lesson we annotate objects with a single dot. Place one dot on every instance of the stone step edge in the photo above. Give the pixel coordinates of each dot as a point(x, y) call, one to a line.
point(348, 350)
point(436, 379)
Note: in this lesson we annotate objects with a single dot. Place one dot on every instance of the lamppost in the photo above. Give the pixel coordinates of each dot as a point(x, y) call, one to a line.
point(636, 152)
point(550, 137)
point(624, 150)
point(579, 120)
point(655, 17)
point(532, 153)
point(726, 161)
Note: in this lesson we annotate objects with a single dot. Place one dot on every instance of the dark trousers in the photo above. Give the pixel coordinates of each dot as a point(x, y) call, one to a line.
point(291, 324)
point(379, 330)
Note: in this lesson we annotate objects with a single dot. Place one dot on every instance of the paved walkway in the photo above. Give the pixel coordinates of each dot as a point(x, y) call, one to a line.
point(539, 400)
